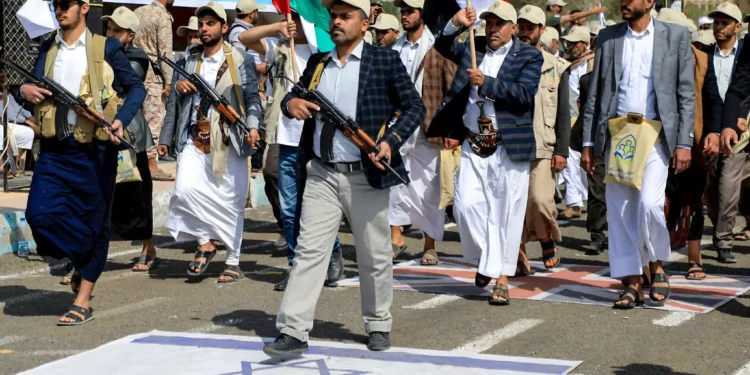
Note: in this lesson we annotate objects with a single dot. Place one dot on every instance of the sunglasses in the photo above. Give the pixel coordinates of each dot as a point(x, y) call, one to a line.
point(63, 4)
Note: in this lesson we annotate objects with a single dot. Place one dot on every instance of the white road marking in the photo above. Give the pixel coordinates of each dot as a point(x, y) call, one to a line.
point(433, 302)
point(130, 307)
point(674, 318)
point(24, 274)
point(745, 370)
point(217, 326)
point(487, 341)
point(11, 339)
point(266, 271)
point(257, 245)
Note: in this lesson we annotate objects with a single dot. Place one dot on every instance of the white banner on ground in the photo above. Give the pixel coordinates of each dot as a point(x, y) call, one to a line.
point(479, 5)
point(158, 352)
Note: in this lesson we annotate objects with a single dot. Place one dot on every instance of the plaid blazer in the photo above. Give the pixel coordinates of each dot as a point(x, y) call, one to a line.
point(512, 92)
point(384, 88)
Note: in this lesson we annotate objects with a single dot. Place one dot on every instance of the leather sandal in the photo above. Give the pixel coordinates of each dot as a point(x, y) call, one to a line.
point(429, 258)
point(481, 281)
point(231, 271)
point(500, 290)
point(77, 320)
point(523, 270)
point(546, 256)
point(628, 296)
point(663, 290)
point(199, 266)
point(693, 269)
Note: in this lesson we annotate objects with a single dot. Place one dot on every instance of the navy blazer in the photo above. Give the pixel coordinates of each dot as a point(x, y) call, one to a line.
point(126, 82)
point(739, 89)
point(512, 92)
point(384, 88)
point(713, 105)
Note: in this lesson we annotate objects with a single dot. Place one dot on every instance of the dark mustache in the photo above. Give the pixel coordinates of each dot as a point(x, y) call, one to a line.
point(625, 8)
point(336, 28)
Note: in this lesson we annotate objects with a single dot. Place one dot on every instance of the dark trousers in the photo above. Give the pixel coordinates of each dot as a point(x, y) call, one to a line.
point(596, 222)
point(271, 178)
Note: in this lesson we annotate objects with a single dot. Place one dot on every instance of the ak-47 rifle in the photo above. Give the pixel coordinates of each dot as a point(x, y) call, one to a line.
point(347, 125)
point(61, 96)
point(207, 91)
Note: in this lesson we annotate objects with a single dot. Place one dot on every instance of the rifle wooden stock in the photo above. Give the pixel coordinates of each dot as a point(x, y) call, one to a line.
point(233, 112)
point(357, 141)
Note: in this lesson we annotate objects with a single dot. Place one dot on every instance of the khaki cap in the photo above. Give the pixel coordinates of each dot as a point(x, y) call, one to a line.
point(653, 13)
point(596, 29)
point(503, 10)
point(125, 18)
point(578, 34)
point(364, 5)
point(532, 14)
point(412, 3)
point(246, 6)
point(728, 9)
point(386, 21)
point(673, 16)
point(556, 2)
point(192, 26)
point(549, 35)
point(215, 8)
point(705, 37)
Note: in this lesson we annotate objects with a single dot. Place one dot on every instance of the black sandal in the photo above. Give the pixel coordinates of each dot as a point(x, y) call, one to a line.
point(481, 281)
point(693, 269)
point(522, 270)
point(500, 290)
point(77, 320)
point(631, 302)
point(663, 290)
point(231, 271)
point(396, 250)
point(645, 282)
point(549, 245)
point(201, 267)
point(148, 261)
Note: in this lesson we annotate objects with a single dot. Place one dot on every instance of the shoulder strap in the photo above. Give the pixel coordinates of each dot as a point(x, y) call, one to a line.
point(233, 73)
point(319, 72)
point(96, 58)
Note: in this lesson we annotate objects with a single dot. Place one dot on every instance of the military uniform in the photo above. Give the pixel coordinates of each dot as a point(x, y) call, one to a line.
point(155, 38)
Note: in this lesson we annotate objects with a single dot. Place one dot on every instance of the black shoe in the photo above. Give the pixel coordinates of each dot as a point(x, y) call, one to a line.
point(280, 287)
point(597, 247)
point(335, 267)
point(285, 345)
point(726, 256)
point(379, 341)
point(167, 158)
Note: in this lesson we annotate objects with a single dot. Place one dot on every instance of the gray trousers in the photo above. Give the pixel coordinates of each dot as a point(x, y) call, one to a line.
point(724, 193)
point(329, 195)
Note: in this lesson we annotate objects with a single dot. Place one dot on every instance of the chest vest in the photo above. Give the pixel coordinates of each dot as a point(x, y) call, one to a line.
point(96, 90)
point(545, 109)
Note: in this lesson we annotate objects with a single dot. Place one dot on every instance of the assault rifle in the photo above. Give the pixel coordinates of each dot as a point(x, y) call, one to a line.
point(329, 113)
point(214, 98)
point(61, 96)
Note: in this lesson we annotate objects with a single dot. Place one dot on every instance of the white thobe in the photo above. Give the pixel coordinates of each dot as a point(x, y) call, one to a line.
point(201, 208)
point(419, 202)
point(576, 181)
point(490, 193)
point(637, 226)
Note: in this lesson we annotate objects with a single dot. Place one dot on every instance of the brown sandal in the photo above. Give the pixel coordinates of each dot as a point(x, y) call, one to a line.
point(429, 258)
point(500, 290)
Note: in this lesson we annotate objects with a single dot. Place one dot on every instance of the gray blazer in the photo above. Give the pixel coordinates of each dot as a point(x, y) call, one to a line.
point(674, 83)
point(175, 131)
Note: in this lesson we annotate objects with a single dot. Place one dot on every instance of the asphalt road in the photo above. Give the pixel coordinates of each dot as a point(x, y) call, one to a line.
point(639, 341)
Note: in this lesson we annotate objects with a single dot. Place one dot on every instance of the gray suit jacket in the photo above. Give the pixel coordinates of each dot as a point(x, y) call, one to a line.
point(674, 83)
point(174, 132)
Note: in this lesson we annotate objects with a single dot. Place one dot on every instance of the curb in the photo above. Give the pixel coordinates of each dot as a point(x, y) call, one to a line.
point(11, 234)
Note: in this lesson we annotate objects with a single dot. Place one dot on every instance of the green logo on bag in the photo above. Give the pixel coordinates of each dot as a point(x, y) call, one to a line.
point(120, 159)
point(625, 150)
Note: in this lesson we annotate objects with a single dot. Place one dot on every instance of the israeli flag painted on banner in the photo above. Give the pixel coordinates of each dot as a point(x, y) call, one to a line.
point(479, 5)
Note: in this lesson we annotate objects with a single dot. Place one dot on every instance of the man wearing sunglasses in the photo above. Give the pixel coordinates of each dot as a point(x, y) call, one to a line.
point(71, 192)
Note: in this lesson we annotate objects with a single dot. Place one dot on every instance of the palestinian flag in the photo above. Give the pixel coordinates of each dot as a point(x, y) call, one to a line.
point(314, 21)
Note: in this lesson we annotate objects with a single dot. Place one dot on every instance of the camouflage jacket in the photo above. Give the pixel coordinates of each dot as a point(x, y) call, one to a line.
point(155, 36)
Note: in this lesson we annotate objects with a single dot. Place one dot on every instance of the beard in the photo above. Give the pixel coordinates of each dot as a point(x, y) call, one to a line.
point(532, 41)
point(634, 14)
point(212, 41)
point(340, 37)
point(73, 21)
point(413, 27)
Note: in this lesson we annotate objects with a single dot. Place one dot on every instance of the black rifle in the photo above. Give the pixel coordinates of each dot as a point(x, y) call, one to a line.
point(209, 93)
point(61, 96)
point(329, 113)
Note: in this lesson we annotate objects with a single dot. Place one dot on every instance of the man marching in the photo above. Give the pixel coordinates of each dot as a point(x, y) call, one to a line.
point(419, 203)
point(71, 192)
point(366, 83)
point(209, 198)
point(493, 179)
point(638, 64)
point(552, 133)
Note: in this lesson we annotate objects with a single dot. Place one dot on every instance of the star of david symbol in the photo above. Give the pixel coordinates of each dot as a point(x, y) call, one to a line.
point(313, 366)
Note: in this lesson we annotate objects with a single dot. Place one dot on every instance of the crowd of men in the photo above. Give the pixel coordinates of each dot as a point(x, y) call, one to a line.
point(526, 98)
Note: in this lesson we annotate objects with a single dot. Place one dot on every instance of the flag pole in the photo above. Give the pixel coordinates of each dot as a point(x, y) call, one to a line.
point(294, 53)
point(473, 48)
